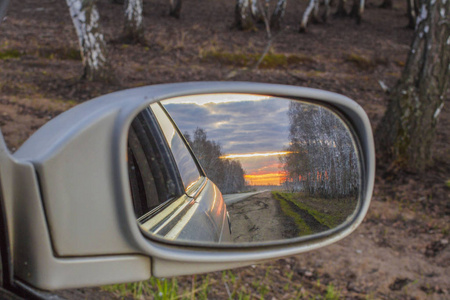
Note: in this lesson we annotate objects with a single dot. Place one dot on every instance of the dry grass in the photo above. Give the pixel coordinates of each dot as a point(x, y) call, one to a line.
point(240, 59)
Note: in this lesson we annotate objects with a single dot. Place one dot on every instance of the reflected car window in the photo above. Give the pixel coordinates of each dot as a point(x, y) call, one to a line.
point(186, 165)
point(153, 175)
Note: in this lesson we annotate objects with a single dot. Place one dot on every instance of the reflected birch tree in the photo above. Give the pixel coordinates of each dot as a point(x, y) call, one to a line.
point(228, 175)
point(323, 159)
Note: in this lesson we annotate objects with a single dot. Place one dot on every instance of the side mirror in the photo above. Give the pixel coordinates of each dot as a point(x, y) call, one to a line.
point(113, 190)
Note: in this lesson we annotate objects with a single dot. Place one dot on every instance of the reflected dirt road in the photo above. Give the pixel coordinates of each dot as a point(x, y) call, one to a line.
point(260, 218)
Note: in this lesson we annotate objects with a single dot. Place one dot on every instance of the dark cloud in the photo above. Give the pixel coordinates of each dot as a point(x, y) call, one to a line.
point(240, 127)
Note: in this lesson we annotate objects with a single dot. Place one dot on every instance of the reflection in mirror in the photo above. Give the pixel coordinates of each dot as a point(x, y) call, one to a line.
point(239, 168)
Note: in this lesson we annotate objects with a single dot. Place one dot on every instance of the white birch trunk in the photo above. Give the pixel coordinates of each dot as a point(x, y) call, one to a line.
point(243, 19)
point(406, 133)
point(256, 12)
point(278, 14)
point(307, 14)
point(412, 15)
point(254, 8)
point(133, 29)
point(362, 4)
point(85, 18)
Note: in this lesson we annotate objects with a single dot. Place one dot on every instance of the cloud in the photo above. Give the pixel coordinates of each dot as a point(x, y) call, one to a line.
point(240, 127)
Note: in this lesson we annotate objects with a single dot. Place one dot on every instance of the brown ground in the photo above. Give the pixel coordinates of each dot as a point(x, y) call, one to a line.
point(400, 251)
point(259, 218)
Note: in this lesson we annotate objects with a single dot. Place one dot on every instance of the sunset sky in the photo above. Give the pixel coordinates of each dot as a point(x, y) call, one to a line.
point(261, 168)
point(250, 128)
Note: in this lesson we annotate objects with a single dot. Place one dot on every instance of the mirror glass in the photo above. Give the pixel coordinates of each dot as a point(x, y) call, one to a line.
point(240, 168)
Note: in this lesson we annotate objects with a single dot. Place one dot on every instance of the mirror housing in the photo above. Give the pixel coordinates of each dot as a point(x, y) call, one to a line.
point(72, 222)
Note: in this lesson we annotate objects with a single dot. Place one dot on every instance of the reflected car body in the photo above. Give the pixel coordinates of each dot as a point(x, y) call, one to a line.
point(171, 194)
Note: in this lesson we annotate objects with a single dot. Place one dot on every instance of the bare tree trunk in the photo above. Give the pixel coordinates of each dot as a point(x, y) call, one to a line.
point(278, 14)
point(175, 8)
point(256, 12)
point(387, 4)
point(266, 7)
point(411, 13)
point(326, 13)
point(243, 19)
point(307, 14)
point(269, 35)
point(85, 18)
point(407, 130)
point(357, 10)
point(315, 15)
point(133, 30)
point(416, 6)
point(341, 12)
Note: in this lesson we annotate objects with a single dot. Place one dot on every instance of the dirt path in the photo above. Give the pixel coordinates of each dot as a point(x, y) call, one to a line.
point(259, 218)
point(395, 254)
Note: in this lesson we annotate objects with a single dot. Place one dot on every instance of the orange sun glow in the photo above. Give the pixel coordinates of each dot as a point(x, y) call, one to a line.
point(263, 154)
point(265, 179)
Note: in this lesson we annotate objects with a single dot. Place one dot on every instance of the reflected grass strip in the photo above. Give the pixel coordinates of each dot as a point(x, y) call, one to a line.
point(330, 220)
point(303, 228)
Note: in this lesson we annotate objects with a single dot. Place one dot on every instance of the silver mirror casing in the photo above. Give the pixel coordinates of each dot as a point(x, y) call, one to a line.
point(73, 223)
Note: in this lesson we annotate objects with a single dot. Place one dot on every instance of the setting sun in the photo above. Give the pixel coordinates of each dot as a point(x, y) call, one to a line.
point(265, 179)
point(261, 168)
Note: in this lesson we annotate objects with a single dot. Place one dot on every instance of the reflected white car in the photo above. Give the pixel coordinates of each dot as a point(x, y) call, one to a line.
point(171, 194)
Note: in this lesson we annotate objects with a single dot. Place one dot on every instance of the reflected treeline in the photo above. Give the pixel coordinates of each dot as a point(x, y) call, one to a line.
point(322, 160)
point(228, 175)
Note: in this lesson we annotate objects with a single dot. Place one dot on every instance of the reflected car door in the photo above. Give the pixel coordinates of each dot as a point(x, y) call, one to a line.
point(171, 194)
